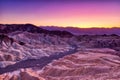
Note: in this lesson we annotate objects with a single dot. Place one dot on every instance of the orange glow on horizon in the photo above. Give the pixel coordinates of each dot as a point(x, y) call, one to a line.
point(74, 14)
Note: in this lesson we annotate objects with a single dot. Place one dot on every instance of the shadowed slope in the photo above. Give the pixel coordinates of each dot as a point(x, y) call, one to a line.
point(9, 28)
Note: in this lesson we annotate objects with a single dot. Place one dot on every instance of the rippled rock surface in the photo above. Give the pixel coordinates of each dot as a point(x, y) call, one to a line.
point(90, 64)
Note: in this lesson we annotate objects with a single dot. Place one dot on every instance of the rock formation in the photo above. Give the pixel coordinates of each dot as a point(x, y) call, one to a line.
point(28, 52)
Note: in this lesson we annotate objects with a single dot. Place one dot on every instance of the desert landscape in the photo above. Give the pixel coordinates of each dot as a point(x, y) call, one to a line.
point(28, 52)
point(59, 39)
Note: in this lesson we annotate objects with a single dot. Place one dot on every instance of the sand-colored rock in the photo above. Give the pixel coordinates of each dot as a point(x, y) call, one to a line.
point(21, 75)
point(14, 77)
point(84, 66)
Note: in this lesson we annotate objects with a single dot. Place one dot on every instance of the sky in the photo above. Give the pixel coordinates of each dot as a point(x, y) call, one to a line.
point(73, 13)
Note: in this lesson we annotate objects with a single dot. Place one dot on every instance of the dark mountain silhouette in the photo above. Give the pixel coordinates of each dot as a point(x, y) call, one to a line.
point(8, 28)
point(55, 30)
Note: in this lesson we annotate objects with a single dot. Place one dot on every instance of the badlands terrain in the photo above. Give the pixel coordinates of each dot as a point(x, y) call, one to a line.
point(28, 52)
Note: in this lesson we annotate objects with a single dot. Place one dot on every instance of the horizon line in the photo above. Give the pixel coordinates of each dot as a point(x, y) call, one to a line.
point(58, 26)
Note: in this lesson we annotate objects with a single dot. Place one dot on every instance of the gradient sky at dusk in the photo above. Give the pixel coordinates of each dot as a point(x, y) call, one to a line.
point(77, 13)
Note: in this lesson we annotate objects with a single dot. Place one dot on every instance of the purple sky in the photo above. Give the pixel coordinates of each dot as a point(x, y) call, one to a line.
point(78, 13)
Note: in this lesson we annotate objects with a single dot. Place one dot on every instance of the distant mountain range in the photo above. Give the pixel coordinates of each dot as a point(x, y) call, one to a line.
point(55, 30)
point(85, 31)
